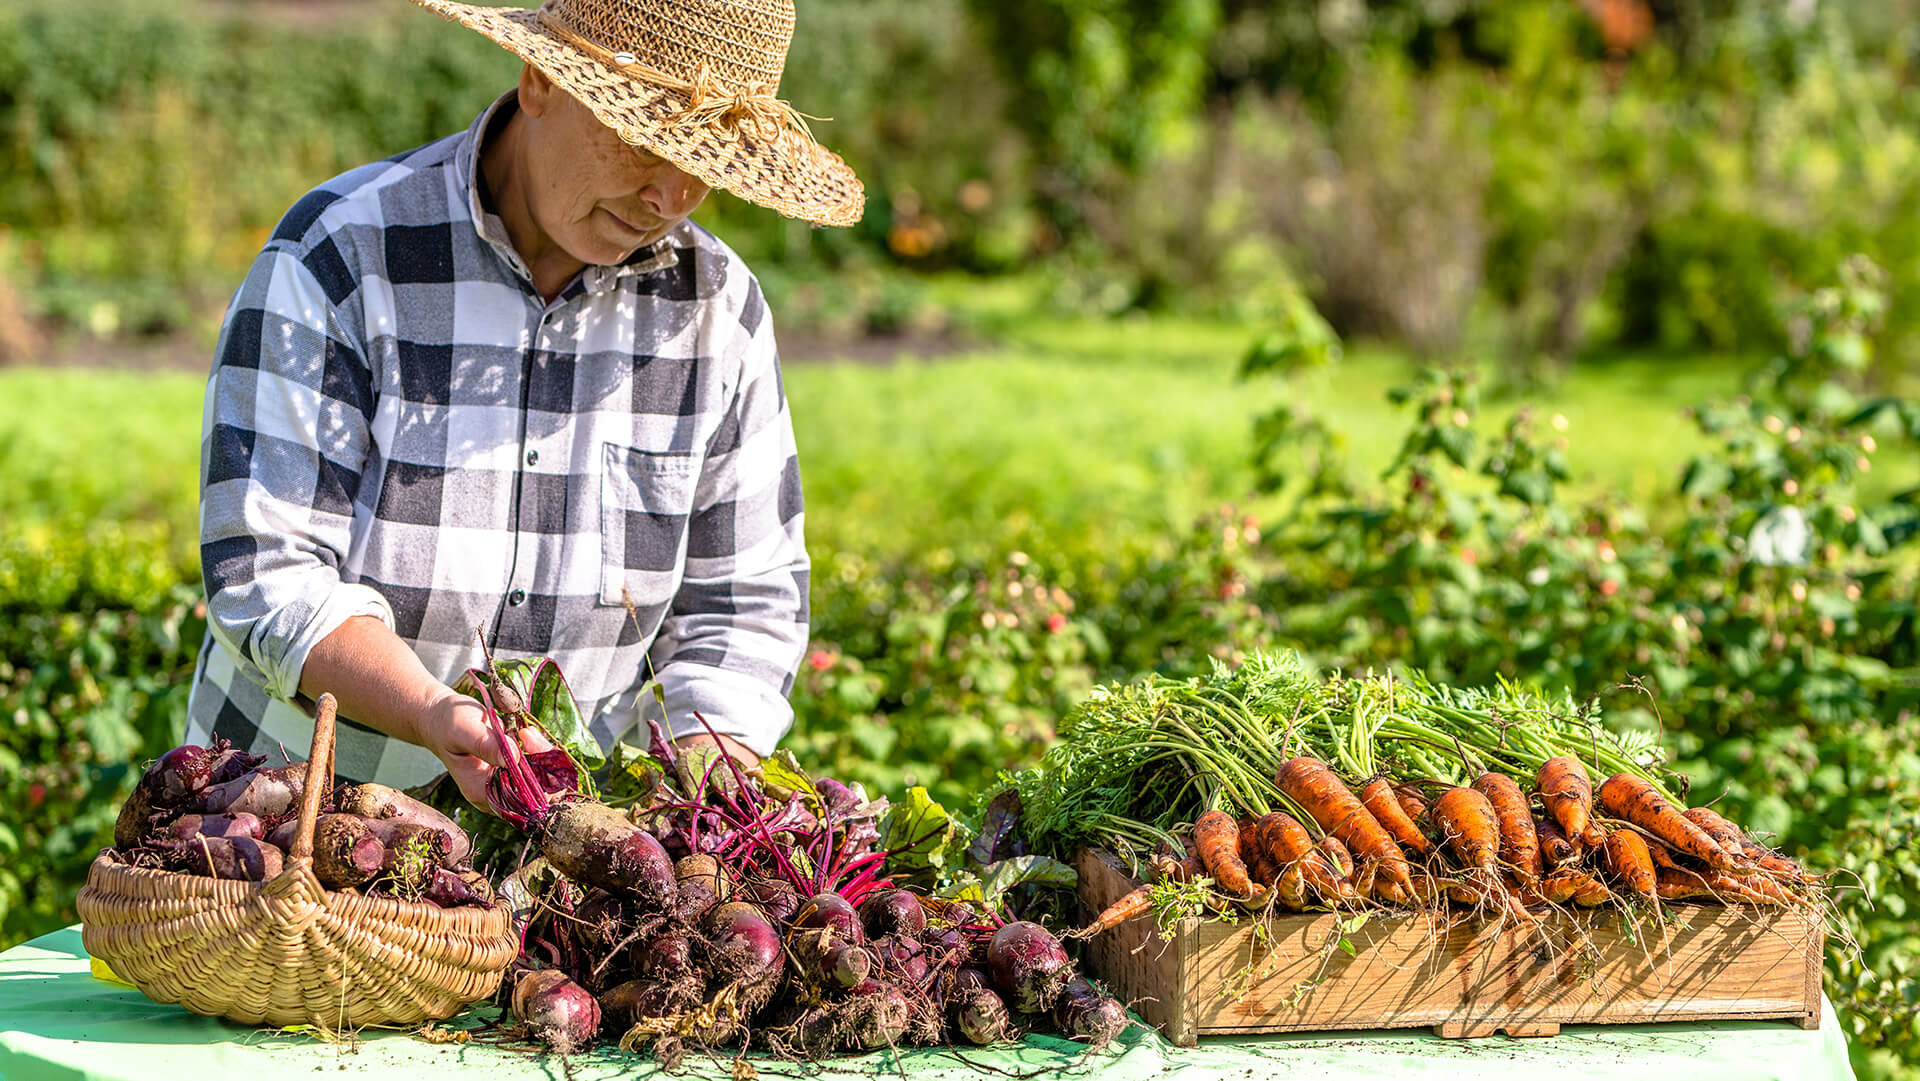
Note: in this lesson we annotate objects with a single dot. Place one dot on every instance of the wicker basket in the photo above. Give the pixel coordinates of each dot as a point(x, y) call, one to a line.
point(288, 951)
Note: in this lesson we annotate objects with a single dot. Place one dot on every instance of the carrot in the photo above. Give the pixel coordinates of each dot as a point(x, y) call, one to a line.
point(1131, 904)
point(1527, 893)
point(1519, 845)
point(1412, 802)
point(1735, 841)
point(1185, 869)
point(1288, 845)
point(1567, 793)
point(1217, 839)
point(1247, 843)
point(1291, 887)
point(1560, 884)
point(1467, 822)
point(1309, 783)
point(1555, 849)
point(1337, 855)
point(1677, 884)
point(1626, 856)
point(1724, 833)
point(1592, 893)
point(1384, 804)
point(1635, 800)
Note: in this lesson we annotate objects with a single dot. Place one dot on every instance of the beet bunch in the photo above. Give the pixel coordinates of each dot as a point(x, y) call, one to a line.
point(219, 812)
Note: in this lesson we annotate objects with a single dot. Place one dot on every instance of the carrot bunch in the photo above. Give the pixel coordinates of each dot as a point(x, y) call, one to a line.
point(1493, 845)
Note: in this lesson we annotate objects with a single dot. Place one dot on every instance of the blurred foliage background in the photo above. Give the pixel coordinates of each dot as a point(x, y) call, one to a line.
point(1570, 341)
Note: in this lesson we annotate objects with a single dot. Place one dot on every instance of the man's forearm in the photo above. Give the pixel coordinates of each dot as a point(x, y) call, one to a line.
point(375, 677)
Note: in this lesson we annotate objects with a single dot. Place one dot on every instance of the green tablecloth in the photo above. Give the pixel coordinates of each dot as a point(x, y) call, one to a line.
point(58, 1022)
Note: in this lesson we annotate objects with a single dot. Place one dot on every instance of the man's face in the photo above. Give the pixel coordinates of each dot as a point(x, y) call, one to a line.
point(594, 196)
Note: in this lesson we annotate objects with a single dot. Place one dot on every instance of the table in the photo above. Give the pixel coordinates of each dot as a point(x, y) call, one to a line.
point(57, 1021)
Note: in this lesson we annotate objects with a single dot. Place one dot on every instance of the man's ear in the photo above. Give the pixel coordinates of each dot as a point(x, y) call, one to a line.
point(536, 90)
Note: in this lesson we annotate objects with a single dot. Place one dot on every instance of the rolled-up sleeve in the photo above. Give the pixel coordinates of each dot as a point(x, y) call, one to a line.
point(731, 645)
point(284, 439)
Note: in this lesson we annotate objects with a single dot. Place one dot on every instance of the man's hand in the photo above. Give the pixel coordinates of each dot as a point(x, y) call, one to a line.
point(455, 729)
point(380, 683)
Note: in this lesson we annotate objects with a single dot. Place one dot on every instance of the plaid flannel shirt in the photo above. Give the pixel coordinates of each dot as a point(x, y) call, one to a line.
point(398, 425)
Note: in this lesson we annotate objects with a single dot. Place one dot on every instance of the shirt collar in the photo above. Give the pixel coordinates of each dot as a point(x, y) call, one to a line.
point(660, 255)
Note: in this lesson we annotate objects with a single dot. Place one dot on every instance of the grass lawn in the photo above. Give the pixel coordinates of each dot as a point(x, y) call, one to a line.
point(1063, 431)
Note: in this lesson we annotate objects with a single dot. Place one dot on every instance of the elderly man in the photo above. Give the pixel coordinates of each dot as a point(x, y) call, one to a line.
point(499, 387)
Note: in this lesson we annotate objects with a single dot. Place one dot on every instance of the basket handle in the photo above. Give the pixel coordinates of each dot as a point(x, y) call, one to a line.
point(319, 779)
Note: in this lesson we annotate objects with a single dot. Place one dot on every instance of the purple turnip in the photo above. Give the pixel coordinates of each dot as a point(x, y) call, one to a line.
point(1028, 966)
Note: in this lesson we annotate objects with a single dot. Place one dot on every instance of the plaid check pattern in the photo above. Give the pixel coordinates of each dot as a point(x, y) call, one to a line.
point(397, 424)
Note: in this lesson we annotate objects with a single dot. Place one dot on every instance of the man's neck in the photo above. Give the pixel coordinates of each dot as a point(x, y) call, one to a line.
point(503, 180)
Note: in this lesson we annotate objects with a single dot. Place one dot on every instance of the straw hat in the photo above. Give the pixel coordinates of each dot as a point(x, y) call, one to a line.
point(694, 81)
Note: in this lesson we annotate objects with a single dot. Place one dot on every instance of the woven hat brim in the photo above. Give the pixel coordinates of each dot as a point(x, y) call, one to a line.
point(790, 173)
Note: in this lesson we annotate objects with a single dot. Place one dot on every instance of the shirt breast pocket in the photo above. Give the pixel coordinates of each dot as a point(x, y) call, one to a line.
point(645, 500)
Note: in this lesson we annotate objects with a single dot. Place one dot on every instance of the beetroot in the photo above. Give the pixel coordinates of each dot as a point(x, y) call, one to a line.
point(667, 956)
point(346, 854)
point(189, 826)
point(831, 911)
point(179, 774)
point(874, 1014)
point(1084, 1013)
point(629, 1003)
point(826, 959)
point(978, 1015)
point(743, 946)
point(557, 1010)
point(777, 899)
point(230, 762)
point(903, 959)
point(170, 782)
point(692, 900)
point(889, 912)
point(448, 888)
point(945, 946)
point(594, 844)
point(704, 870)
point(268, 793)
point(1027, 965)
point(241, 859)
point(377, 801)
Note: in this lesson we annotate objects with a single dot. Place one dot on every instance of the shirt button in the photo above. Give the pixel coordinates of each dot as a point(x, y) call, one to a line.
point(533, 457)
point(517, 598)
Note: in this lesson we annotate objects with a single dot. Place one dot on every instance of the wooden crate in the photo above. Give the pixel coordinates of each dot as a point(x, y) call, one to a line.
point(1455, 973)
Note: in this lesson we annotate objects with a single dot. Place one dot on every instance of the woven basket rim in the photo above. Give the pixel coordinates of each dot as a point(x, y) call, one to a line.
point(109, 862)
